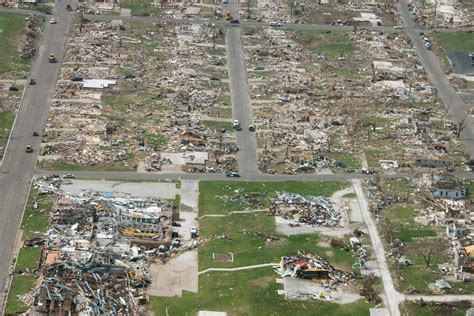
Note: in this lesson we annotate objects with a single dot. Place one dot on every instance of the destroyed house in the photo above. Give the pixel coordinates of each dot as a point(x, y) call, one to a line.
point(433, 162)
point(448, 187)
point(464, 258)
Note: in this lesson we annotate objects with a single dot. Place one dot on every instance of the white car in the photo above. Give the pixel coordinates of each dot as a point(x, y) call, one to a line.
point(52, 21)
point(274, 23)
point(236, 123)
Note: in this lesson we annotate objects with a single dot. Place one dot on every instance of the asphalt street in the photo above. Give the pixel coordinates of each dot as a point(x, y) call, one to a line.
point(18, 166)
point(241, 106)
point(457, 108)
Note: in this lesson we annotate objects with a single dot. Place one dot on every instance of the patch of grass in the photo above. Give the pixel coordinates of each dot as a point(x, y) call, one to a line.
point(6, 122)
point(12, 28)
point(141, 7)
point(396, 187)
point(399, 213)
point(211, 191)
point(351, 195)
point(218, 125)
point(329, 43)
point(21, 284)
point(252, 292)
point(176, 202)
point(348, 160)
point(35, 221)
point(67, 166)
point(407, 235)
point(456, 42)
point(155, 140)
point(28, 258)
point(418, 309)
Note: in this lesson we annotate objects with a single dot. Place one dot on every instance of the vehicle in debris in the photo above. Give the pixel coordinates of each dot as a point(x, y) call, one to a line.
point(397, 27)
point(32, 82)
point(35, 133)
point(52, 21)
point(275, 23)
point(29, 149)
point(194, 232)
point(234, 21)
point(227, 15)
point(68, 7)
point(69, 176)
point(232, 175)
point(225, 1)
point(258, 68)
point(175, 224)
point(51, 58)
point(13, 88)
point(251, 128)
point(76, 79)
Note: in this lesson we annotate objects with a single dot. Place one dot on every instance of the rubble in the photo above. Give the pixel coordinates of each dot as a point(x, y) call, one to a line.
point(309, 266)
point(97, 251)
point(313, 210)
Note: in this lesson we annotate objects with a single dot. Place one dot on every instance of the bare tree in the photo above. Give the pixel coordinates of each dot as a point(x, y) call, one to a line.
point(248, 8)
point(427, 258)
point(355, 25)
point(460, 127)
point(291, 3)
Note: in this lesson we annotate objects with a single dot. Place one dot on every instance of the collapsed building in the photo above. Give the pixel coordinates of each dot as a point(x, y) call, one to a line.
point(97, 251)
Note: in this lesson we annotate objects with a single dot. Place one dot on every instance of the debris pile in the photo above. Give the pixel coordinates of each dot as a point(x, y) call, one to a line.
point(33, 30)
point(309, 266)
point(313, 210)
point(98, 248)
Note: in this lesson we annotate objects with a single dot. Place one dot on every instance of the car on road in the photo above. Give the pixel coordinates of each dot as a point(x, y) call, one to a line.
point(194, 232)
point(397, 27)
point(428, 45)
point(251, 128)
point(69, 176)
point(29, 149)
point(234, 21)
point(232, 175)
point(35, 134)
point(32, 82)
point(225, 1)
point(275, 24)
point(52, 21)
point(236, 123)
point(51, 58)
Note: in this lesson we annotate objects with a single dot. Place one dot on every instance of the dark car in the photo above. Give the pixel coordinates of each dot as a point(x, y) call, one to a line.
point(32, 82)
point(232, 175)
point(234, 21)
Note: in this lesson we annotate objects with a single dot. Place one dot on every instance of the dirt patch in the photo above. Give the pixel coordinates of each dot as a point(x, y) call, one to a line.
point(223, 257)
point(262, 282)
point(323, 244)
point(329, 253)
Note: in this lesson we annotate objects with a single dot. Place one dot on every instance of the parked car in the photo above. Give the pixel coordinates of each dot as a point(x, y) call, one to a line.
point(275, 24)
point(52, 21)
point(251, 128)
point(234, 21)
point(35, 134)
point(69, 176)
point(29, 149)
point(232, 175)
point(194, 232)
point(32, 82)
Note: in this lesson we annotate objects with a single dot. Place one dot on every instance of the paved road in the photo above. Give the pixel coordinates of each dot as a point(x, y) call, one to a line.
point(239, 92)
point(243, 23)
point(392, 297)
point(457, 108)
point(18, 167)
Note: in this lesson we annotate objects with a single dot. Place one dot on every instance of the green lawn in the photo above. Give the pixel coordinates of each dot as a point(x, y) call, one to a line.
point(141, 7)
point(407, 235)
point(66, 166)
point(12, 28)
point(21, 284)
point(329, 43)
point(6, 122)
point(252, 292)
point(155, 140)
point(347, 159)
point(417, 309)
point(457, 42)
point(399, 213)
point(35, 221)
point(210, 201)
point(28, 258)
point(218, 125)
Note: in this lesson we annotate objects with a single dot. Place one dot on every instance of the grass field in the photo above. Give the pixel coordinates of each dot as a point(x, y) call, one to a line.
point(66, 166)
point(12, 28)
point(253, 292)
point(21, 284)
point(211, 191)
point(141, 7)
point(329, 43)
point(6, 122)
point(418, 309)
point(28, 258)
point(456, 42)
